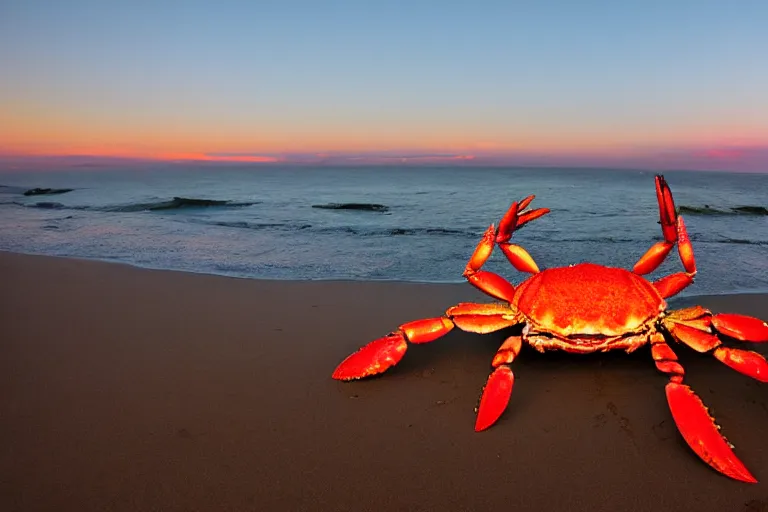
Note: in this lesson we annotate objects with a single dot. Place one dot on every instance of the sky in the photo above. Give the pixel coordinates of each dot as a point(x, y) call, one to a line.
point(653, 84)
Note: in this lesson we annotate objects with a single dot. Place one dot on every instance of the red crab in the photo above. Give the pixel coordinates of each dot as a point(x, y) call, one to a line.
point(588, 308)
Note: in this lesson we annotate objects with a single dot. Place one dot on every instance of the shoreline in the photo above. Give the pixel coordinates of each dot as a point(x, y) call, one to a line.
point(123, 388)
point(671, 300)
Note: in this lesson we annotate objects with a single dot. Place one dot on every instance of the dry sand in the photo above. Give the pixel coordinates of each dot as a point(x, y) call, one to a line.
point(132, 389)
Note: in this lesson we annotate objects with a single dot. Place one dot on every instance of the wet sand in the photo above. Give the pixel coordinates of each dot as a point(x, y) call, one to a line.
point(131, 389)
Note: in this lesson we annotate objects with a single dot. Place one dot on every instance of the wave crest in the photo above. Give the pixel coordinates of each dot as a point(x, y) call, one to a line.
point(48, 205)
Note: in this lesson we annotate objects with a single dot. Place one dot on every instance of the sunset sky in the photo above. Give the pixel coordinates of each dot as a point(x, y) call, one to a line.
point(657, 84)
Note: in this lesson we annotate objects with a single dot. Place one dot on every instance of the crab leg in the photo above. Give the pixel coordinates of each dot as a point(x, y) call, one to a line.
point(747, 362)
point(672, 284)
point(383, 353)
point(481, 318)
point(693, 421)
point(702, 434)
point(487, 282)
point(698, 340)
point(673, 229)
point(741, 327)
point(652, 258)
point(498, 388)
point(697, 336)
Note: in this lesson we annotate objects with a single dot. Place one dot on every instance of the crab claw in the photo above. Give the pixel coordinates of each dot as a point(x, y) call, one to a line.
point(667, 213)
point(525, 202)
point(517, 217)
point(741, 327)
point(375, 357)
point(700, 432)
point(495, 397)
point(508, 223)
point(526, 217)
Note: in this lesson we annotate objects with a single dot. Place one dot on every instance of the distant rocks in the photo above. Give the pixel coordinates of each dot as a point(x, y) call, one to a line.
point(752, 210)
point(186, 202)
point(736, 210)
point(177, 203)
point(46, 191)
point(369, 207)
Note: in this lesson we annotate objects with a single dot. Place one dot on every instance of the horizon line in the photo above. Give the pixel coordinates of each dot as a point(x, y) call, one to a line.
point(34, 162)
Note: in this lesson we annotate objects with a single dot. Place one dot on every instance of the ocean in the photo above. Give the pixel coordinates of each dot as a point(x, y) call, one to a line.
point(416, 224)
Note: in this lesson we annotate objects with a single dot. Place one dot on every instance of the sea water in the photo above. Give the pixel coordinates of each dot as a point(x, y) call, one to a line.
point(381, 223)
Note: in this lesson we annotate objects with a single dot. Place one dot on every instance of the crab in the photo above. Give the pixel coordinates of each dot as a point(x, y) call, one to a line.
point(586, 308)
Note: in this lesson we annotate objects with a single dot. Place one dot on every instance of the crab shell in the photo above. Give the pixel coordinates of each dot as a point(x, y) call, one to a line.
point(615, 310)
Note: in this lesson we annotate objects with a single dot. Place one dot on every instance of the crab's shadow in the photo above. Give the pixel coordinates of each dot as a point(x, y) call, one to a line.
point(462, 361)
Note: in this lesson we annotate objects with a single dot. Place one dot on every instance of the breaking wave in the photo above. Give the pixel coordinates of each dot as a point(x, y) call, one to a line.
point(353, 230)
point(433, 231)
point(241, 224)
point(472, 234)
point(736, 210)
point(455, 233)
point(48, 205)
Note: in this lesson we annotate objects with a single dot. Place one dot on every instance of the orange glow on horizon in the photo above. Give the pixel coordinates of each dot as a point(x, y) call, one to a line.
point(204, 157)
point(725, 148)
point(465, 152)
point(27, 128)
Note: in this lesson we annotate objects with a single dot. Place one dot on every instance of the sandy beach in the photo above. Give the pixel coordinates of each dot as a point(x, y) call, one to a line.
point(130, 389)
